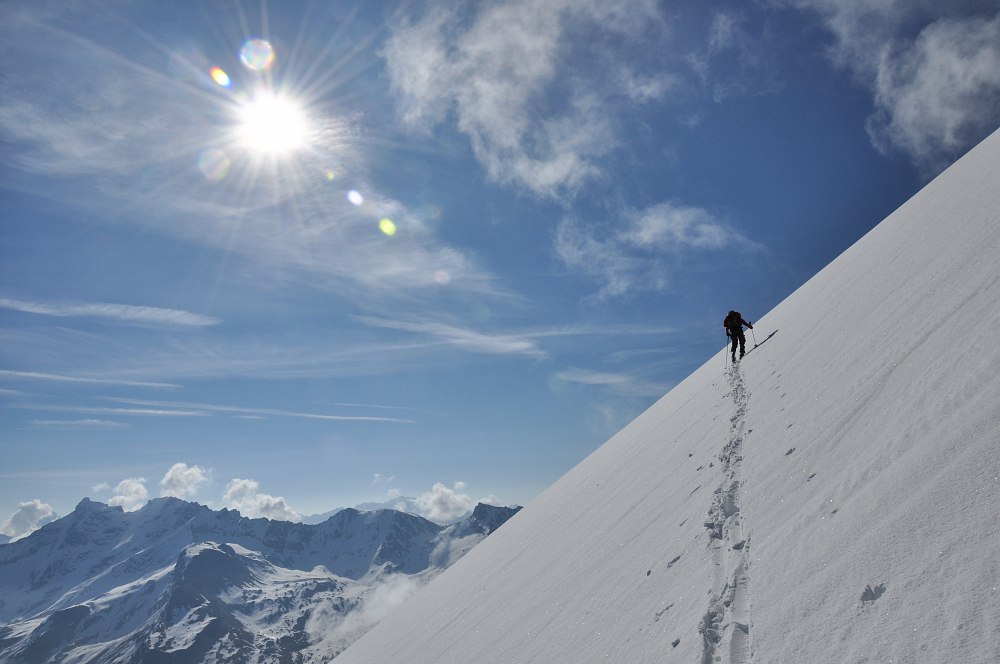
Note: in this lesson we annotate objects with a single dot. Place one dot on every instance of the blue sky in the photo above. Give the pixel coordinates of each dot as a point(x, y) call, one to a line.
point(291, 256)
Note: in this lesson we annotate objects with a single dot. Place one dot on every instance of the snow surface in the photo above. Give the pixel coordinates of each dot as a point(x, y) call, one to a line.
point(833, 498)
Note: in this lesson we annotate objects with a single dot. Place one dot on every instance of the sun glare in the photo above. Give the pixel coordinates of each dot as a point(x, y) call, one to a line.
point(274, 125)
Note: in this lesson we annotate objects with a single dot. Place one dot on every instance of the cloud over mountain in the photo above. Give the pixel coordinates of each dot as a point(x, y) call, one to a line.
point(244, 495)
point(183, 481)
point(30, 516)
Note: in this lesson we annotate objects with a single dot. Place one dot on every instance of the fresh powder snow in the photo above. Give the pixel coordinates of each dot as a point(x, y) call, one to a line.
point(834, 497)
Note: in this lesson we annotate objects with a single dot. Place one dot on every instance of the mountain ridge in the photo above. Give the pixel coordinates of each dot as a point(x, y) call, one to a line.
point(103, 585)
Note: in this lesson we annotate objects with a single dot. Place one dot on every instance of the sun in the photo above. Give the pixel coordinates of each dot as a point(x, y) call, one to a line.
point(272, 125)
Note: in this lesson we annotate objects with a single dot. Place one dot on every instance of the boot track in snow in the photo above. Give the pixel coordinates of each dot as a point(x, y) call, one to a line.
point(725, 627)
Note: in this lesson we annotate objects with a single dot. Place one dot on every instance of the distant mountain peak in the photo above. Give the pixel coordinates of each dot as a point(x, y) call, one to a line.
point(484, 520)
point(87, 505)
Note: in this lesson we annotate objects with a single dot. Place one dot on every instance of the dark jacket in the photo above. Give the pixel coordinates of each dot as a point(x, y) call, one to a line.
point(734, 323)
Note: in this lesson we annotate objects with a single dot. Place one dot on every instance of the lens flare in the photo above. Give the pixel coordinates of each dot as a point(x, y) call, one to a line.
point(355, 197)
point(220, 77)
point(387, 226)
point(213, 164)
point(257, 54)
point(442, 277)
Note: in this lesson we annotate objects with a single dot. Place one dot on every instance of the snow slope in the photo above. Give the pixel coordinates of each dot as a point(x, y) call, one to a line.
point(834, 498)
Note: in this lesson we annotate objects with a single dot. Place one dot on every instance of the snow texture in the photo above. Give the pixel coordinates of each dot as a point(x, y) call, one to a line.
point(834, 497)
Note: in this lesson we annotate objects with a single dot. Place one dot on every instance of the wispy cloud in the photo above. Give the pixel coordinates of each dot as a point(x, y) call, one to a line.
point(379, 479)
point(97, 410)
point(502, 74)
point(204, 409)
point(34, 375)
point(492, 344)
point(71, 143)
point(934, 75)
point(641, 252)
point(587, 377)
point(125, 313)
point(78, 424)
point(527, 343)
point(736, 61)
point(628, 384)
point(421, 340)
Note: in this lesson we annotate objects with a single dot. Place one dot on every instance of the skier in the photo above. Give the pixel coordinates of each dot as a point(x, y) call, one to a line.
point(734, 330)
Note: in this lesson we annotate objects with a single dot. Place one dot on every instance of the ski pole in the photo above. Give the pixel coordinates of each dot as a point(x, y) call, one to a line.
point(754, 337)
point(726, 351)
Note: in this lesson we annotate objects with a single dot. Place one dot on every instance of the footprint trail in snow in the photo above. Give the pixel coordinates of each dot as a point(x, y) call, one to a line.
point(725, 627)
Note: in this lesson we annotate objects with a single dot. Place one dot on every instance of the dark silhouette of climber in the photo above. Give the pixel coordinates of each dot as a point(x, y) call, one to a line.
point(734, 330)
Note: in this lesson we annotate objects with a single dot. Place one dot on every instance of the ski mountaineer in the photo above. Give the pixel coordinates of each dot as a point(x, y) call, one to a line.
point(734, 323)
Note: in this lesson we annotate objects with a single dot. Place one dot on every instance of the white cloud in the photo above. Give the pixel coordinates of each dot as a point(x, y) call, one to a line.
point(243, 495)
point(101, 487)
point(642, 253)
point(442, 504)
point(183, 481)
point(504, 77)
point(933, 69)
point(490, 500)
point(668, 227)
point(130, 494)
point(29, 517)
point(942, 95)
point(125, 313)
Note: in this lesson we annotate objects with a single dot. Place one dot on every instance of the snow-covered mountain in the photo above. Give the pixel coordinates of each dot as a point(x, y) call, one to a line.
point(401, 504)
point(177, 581)
point(832, 498)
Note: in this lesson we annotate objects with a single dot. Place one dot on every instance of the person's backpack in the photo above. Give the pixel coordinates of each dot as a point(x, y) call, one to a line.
point(733, 321)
